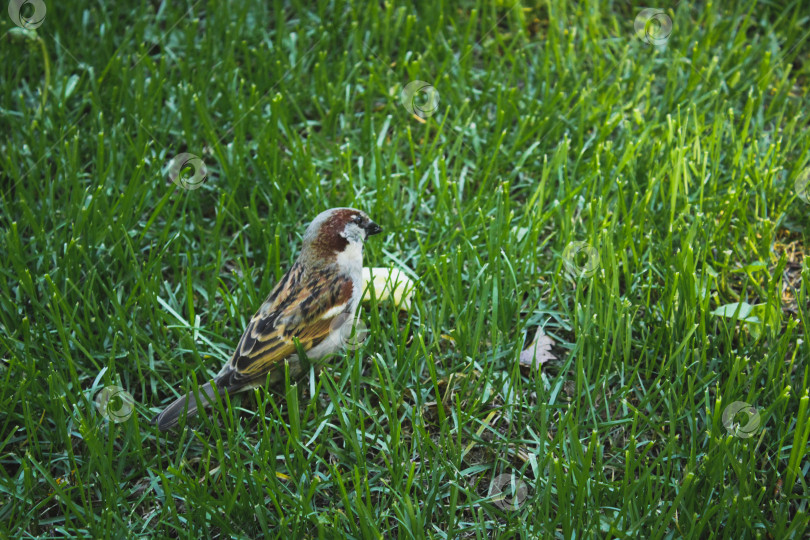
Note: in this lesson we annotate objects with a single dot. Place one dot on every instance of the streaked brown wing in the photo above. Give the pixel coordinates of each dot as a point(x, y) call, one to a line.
point(298, 307)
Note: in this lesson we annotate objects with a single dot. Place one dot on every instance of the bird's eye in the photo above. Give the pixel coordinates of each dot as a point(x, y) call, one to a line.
point(357, 219)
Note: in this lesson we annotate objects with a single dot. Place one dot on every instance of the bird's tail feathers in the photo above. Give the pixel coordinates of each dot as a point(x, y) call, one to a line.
point(187, 404)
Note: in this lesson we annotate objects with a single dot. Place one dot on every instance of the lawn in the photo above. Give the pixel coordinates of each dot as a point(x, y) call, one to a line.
point(632, 181)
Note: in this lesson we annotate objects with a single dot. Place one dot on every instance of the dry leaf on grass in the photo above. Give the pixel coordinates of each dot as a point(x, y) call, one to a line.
point(539, 352)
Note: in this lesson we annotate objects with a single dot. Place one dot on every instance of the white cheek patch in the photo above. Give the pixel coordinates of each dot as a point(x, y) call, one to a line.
point(353, 232)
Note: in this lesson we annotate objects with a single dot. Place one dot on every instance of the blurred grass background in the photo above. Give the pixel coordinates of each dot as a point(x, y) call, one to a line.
point(673, 153)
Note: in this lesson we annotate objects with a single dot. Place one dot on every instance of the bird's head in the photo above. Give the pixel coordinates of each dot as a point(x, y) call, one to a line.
point(334, 231)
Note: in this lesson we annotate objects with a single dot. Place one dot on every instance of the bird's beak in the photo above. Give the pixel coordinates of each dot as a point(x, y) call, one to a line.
point(372, 228)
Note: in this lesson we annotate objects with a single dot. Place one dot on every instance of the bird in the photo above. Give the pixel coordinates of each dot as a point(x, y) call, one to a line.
point(311, 305)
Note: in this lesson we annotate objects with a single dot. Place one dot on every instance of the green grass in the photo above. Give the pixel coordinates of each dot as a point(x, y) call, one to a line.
point(555, 123)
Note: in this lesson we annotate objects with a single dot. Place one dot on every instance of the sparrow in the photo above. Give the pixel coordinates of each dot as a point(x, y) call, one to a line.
point(312, 304)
